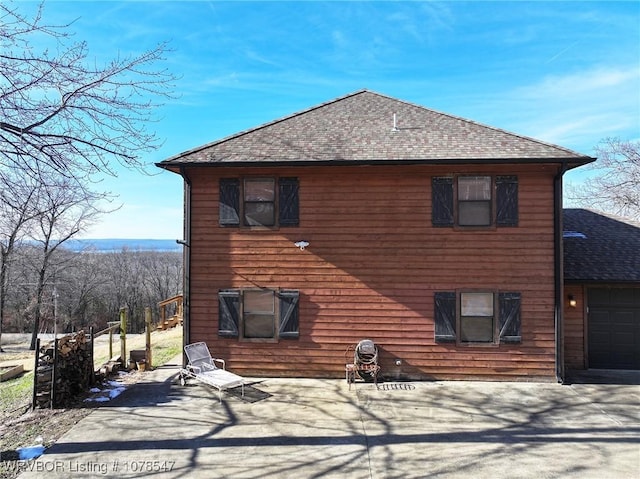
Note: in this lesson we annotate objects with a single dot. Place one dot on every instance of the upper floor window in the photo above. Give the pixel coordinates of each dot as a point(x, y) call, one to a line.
point(474, 201)
point(259, 202)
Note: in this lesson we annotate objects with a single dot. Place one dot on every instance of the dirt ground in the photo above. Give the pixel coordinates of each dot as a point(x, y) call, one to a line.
point(23, 427)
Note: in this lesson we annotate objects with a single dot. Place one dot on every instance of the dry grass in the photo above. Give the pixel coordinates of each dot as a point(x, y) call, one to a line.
point(165, 345)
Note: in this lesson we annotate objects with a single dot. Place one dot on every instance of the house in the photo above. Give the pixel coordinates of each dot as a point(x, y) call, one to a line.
point(369, 217)
point(602, 288)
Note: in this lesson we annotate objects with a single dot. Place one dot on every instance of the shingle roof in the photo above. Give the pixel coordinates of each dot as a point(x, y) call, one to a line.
point(600, 247)
point(359, 128)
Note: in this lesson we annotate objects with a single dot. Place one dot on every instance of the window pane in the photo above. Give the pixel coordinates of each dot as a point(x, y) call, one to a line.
point(476, 304)
point(474, 213)
point(258, 302)
point(259, 317)
point(259, 214)
point(259, 189)
point(476, 330)
point(474, 188)
point(259, 326)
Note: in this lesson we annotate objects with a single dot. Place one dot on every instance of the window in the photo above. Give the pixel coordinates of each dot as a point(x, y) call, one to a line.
point(258, 314)
point(480, 201)
point(477, 317)
point(259, 202)
point(474, 201)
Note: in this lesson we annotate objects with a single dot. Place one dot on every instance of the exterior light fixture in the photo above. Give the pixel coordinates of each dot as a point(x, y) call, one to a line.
point(572, 301)
point(302, 244)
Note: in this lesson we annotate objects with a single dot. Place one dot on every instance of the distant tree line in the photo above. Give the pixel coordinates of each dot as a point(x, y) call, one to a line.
point(87, 289)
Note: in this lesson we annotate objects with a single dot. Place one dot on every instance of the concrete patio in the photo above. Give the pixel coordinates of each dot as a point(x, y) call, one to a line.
point(307, 428)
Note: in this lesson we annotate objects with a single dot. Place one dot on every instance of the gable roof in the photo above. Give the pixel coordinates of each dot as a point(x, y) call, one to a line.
point(600, 247)
point(359, 128)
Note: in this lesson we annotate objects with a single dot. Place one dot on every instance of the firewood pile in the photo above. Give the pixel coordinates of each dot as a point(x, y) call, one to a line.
point(64, 371)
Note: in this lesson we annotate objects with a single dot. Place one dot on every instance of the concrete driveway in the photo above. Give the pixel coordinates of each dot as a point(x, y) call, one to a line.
point(305, 428)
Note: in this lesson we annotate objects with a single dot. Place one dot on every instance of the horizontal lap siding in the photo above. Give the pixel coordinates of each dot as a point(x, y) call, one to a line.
point(574, 328)
point(370, 271)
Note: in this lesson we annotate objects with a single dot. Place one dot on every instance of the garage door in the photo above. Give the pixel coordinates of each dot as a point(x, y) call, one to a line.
point(614, 328)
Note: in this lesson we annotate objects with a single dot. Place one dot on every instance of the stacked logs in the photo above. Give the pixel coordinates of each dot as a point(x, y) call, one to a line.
point(64, 371)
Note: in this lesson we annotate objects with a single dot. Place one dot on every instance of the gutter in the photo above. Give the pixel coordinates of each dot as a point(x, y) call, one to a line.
point(186, 261)
point(568, 163)
point(559, 272)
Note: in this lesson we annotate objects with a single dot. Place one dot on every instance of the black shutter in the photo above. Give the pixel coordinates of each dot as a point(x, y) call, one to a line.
point(229, 202)
point(445, 317)
point(289, 318)
point(289, 204)
point(509, 305)
point(228, 313)
point(507, 201)
point(442, 201)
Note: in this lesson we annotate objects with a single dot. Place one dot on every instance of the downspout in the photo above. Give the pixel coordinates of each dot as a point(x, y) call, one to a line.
point(186, 260)
point(559, 272)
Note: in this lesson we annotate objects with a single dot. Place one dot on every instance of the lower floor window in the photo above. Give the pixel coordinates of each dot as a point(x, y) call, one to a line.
point(472, 317)
point(476, 318)
point(258, 314)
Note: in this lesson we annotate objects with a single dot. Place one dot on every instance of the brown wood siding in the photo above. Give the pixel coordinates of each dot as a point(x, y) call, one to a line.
point(371, 270)
point(574, 328)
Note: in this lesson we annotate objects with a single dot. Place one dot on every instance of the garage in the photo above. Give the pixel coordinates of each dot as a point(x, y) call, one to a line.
point(613, 325)
point(601, 320)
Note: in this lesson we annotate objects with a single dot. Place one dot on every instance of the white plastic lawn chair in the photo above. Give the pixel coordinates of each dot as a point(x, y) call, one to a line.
point(202, 367)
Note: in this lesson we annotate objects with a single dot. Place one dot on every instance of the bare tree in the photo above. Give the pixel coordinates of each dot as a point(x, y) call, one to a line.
point(65, 118)
point(616, 186)
point(66, 209)
point(126, 284)
point(82, 291)
point(163, 272)
point(60, 111)
point(18, 195)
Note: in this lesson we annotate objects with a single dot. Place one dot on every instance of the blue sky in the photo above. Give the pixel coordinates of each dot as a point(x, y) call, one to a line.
point(563, 72)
